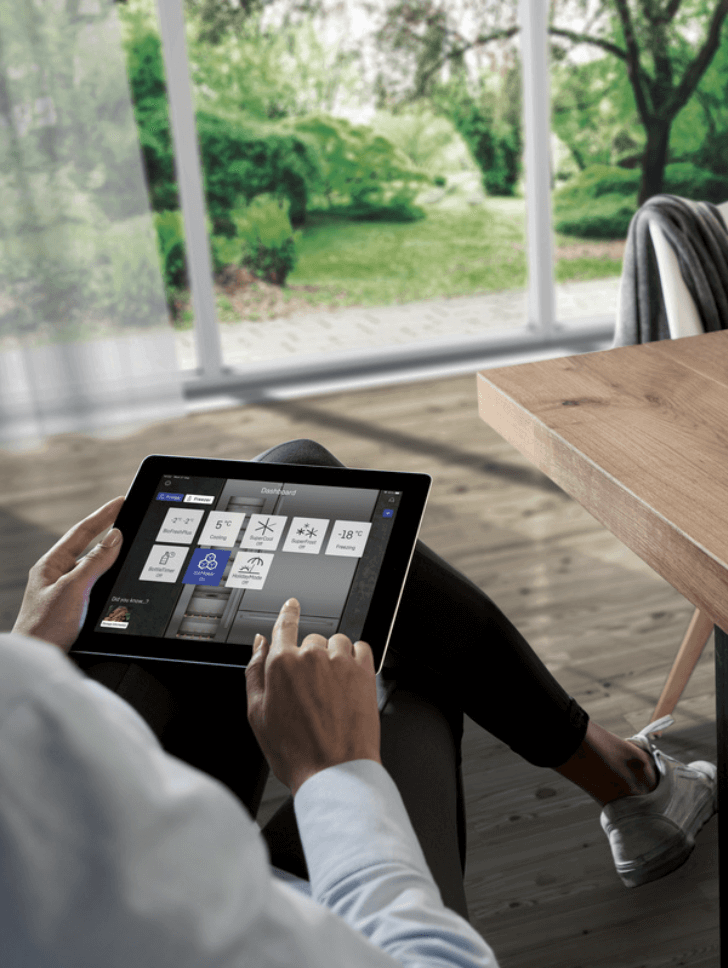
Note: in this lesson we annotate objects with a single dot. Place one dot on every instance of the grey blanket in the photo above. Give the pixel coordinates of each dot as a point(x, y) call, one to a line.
point(697, 233)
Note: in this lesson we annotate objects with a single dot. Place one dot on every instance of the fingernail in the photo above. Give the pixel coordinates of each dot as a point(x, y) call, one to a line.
point(112, 538)
point(257, 642)
point(292, 603)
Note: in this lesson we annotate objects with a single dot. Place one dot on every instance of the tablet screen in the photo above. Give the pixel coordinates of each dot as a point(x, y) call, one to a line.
point(212, 559)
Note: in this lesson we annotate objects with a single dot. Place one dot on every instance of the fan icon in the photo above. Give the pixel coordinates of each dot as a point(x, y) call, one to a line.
point(208, 563)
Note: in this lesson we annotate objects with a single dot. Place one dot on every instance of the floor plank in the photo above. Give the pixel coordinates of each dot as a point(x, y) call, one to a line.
point(540, 882)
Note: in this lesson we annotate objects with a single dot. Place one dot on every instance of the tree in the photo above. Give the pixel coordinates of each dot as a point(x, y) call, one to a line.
point(426, 35)
point(439, 48)
point(664, 66)
point(665, 45)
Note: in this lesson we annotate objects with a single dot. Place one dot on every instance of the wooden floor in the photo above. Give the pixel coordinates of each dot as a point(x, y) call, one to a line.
point(540, 882)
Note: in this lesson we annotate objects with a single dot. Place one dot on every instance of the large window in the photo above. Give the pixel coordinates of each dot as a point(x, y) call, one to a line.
point(391, 165)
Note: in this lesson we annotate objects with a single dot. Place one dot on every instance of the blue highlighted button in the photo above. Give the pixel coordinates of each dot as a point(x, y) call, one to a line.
point(166, 496)
point(206, 566)
point(388, 513)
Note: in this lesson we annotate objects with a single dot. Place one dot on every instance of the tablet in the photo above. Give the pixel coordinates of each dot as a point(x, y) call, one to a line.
point(212, 549)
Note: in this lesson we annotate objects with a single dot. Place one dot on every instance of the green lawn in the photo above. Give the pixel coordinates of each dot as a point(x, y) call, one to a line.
point(452, 252)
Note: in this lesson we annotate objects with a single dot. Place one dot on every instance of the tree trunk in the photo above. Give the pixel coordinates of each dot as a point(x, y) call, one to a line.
point(654, 159)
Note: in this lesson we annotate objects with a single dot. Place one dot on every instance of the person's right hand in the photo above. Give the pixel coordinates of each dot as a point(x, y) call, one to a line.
point(312, 706)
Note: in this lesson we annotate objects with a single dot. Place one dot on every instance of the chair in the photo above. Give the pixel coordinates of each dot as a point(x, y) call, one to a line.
point(683, 320)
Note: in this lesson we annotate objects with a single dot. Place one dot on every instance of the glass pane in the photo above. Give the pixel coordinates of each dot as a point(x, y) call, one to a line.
point(363, 173)
point(84, 332)
point(608, 153)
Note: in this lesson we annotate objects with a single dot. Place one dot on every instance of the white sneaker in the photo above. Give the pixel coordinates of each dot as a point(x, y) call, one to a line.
point(653, 834)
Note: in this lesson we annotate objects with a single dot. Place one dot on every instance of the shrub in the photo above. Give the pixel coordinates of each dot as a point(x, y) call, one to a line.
point(598, 203)
point(240, 157)
point(601, 200)
point(244, 159)
point(125, 282)
point(171, 243)
point(361, 174)
point(492, 133)
point(598, 180)
point(267, 237)
point(689, 181)
point(605, 217)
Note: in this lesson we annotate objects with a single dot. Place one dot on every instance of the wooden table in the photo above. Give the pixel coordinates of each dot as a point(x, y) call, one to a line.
point(639, 437)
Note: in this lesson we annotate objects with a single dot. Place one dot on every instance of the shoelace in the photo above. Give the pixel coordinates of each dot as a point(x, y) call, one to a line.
point(656, 727)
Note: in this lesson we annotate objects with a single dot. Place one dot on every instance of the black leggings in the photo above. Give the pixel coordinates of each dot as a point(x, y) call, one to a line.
point(469, 658)
point(456, 633)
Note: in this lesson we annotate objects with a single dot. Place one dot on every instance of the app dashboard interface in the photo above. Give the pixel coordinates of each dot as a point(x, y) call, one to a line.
point(215, 559)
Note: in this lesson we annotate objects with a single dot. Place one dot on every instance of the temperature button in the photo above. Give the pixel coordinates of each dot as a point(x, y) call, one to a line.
point(348, 538)
point(221, 529)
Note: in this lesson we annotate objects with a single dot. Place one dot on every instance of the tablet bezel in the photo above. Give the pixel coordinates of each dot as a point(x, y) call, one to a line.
point(414, 488)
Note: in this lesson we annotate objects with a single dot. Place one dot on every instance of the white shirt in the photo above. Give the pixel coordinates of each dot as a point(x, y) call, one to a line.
point(114, 854)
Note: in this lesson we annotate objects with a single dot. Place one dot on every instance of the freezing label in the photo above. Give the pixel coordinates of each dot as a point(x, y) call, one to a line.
point(348, 538)
point(249, 570)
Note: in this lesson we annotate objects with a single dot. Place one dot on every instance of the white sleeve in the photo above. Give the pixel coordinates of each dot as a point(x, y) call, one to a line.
point(114, 853)
point(365, 863)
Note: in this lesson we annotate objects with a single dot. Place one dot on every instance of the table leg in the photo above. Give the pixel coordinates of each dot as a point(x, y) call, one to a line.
point(721, 721)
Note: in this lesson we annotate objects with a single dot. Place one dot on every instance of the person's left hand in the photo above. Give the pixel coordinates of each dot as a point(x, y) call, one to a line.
point(56, 596)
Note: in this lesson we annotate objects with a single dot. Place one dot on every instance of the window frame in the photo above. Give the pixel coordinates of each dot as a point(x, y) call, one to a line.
point(541, 334)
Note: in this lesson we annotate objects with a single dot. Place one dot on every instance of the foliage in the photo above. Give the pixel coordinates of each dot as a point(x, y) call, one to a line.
point(606, 217)
point(77, 245)
point(125, 282)
point(490, 123)
point(171, 244)
point(690, 181)
point(271, 73)
point(241, 156)
point(601, 200)
point(268, 240)
point(665, 50)
point(418, 38)
point(243, 159)
point(430, 141)
point(244, 155)
point(360, 173)
point(593, 111)
point(218, 18)
point(700, 132)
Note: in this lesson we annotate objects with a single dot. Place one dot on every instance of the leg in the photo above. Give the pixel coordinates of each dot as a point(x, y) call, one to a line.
point(197, 713)
point(421, 734)
point(464, 639)
point(448, 627)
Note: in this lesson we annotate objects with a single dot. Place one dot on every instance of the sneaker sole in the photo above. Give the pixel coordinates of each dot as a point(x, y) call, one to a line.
point(668, 860)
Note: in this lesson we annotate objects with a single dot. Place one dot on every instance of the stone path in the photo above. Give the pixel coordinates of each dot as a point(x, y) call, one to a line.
point(315, 333)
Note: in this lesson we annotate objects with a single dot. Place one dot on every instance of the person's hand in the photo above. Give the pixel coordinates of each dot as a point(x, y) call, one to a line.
point(56, 596)
point(312, 706)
